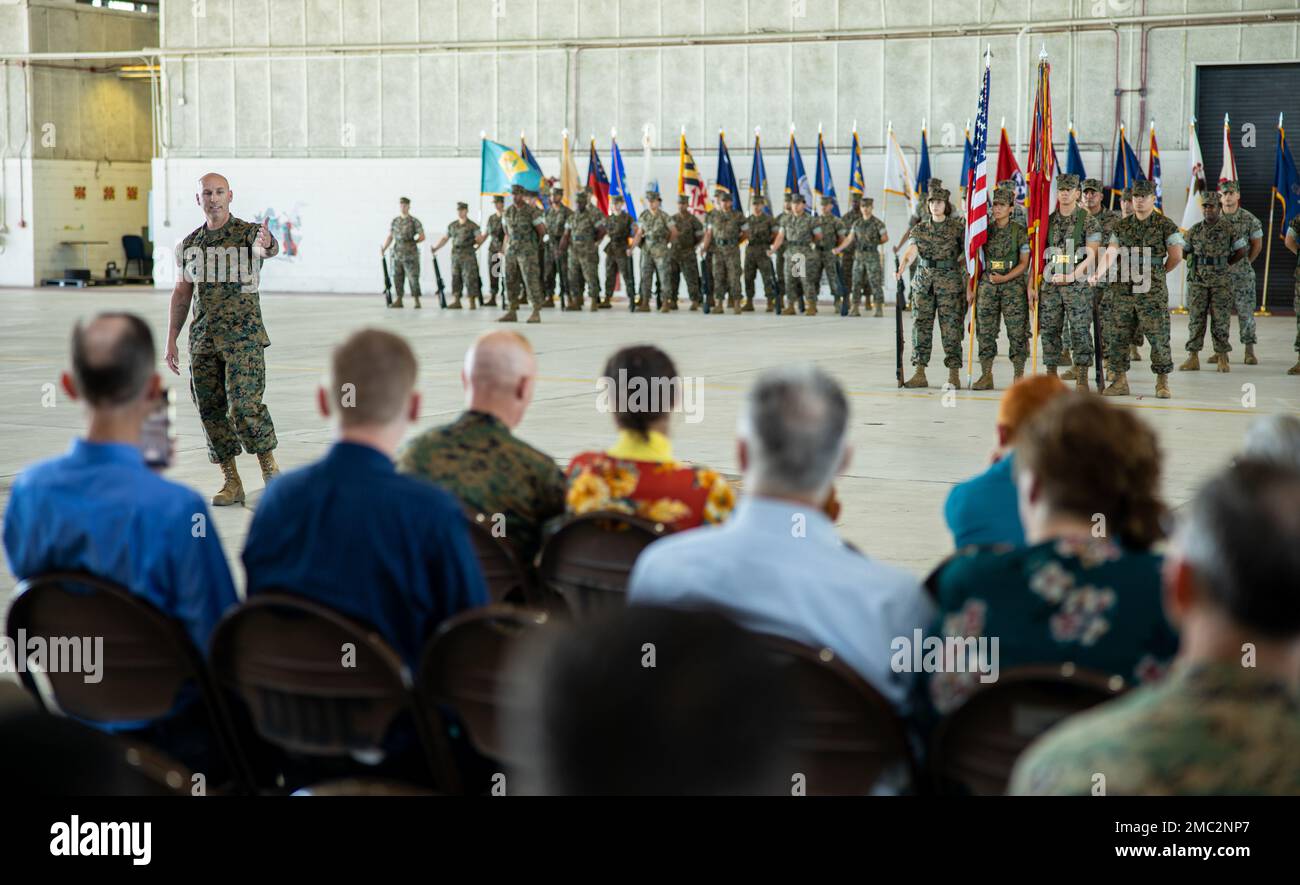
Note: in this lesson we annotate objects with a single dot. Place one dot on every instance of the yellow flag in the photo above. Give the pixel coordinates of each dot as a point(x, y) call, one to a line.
point(569, 174)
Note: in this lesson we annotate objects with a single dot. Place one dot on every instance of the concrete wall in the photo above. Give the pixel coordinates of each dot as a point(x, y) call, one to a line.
point(435, 103)
point(60, 216)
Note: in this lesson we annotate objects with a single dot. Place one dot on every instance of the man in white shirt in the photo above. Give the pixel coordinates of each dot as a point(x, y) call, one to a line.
point(778, 566)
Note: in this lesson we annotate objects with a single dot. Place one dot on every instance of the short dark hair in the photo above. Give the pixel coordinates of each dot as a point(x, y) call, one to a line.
point(1241, 536)
point(118, 373)
point(708, 717)
point(655, 371)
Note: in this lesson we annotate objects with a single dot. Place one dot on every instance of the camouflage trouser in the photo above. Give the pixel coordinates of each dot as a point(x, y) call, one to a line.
point(1242, 283)
point(683, 264)
point(654, 262)
point(493, 268)
point(827, 265)
point(937, 292)
point(1153, 320)
point(1061, 304)
point(522, 267)
point(406, 266)
point(227, 389)
point(1213, 296)
point(1119, 325)
point(583, 268)
point(726, 273)
point(757, 262)
point(464, 274)
point(551, 263)
point(1008, 301)
point(868, 278)
point(800, 271)
point(617, 264)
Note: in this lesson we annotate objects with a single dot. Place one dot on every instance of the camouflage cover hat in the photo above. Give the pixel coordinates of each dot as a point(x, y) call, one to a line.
point(1211, 198)
point(1126, 194)
point(828, 200)
point(1007, 182)
point(653, 195)
point(934, 183)
point(939, 193)
point(519, 189)
point(684, 199)
point(1004, 197)
point(1230, 187)
point(797, 197)
point(557, 191)
point(722, 193)
point(1144, 189)
point(758, 198)
point(498, 199)
point(615, 198)
point(868, 201)
point(1092, 184)
point(406, 200)
point(1067, 182)
point(462, 206)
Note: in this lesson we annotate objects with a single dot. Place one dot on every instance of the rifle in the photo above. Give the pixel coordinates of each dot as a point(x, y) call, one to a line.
point(900, 296)
point(388, 283)
point(780, 287)
point(706, 283)
point(839, 279)
point(562, 271)
point(442, 289)
point(659, 288)
point(631, 283)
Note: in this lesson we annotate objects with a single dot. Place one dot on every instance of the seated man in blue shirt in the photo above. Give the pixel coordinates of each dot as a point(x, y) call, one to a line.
point(99, 509)
point(982, 511)
point(352, 533)
point(777, 566)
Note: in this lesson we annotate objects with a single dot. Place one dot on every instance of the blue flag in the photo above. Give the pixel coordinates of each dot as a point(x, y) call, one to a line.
point(923, 167)
point(1074, 159)
point(796, 179)
point(965, 162)
point(1127, 167)
point(502, 168)
point(1286, 180)
point(758, 177)
point(727, 175)
point(618, 179)
point(824, 186)
point(543, 191)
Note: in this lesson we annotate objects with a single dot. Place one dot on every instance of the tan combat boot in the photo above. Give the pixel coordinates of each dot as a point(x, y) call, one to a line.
point(455, 304)
point(788, 310)
point(1162, 387)
point(856, 310)
point(1294, 370)
point(417, 302)
point(270, 469)
point(1081, 379)
point(749, 305)
point(1050, 370)
point(1019, 368)
point(397, 302)
point(917, 379)
point(1192, 363)
point(508, 317)
point(1221, 362)
point(954, 378)
point(644, 306)
point(1251, 359)
point(1069, 374)
point(880, 309)
point(695, 305)
point(534, 317)
point(1118, 387)
point(811, 310)
point(771, 306)
point(666, 307)
point(985, 380)
point(233, 491)
point(473, 302)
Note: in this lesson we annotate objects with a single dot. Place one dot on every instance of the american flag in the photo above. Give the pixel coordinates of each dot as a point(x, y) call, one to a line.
point(977, 229)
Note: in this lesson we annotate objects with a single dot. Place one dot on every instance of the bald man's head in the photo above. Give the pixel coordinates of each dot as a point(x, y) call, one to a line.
point(499, 373)
point(214, 195)
point(112, 359)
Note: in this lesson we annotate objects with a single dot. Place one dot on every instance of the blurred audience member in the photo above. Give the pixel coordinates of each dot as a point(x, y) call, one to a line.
point(1275, 438)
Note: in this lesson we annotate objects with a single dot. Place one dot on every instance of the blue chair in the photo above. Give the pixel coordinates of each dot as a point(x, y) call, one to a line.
point(134, 247)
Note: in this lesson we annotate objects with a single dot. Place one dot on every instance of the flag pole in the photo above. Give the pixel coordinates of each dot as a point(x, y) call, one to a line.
point(1272, 203)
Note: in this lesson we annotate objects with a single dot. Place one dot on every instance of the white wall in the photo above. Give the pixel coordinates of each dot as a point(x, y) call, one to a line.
point(345, 206)
point(60, 216)
point(16, 237)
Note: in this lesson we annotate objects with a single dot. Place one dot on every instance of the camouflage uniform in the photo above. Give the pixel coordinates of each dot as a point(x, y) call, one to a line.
point(1205, 729)
point(762, 231)
point(1003, 251)
point(522, 254)
point(557, 217)
point(727, 227)
point(938, 289)
point(833, 230)
point(227, 338)
point(655, 229)
point(1151, 308)
point(479, 461)
point(690, 230)
point(464, 259)
point(406, 254)
point(780, 253)
point(585, 227)
point(1111, 294)
point(1210, 283)
point(801, 267)
point(1067, 238)
point(496, 240)
point(618, 263)
point(868, 275)
point(1241, 277)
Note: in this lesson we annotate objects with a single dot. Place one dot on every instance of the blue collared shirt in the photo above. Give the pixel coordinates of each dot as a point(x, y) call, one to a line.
point(780, 568)
point(983, 509)
point(352, 533)
point(99, 509)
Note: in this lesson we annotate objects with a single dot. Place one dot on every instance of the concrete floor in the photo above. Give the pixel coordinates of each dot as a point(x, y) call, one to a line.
point(910, 447)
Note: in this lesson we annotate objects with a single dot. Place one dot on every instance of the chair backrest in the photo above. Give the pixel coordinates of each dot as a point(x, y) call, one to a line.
point(589, 558)
point(465, 667)
point(363, 786)
point(508, 579)
point(846, 738)
point(133, 246)
point(317, 682)
point(145, 661)
point(975, 748)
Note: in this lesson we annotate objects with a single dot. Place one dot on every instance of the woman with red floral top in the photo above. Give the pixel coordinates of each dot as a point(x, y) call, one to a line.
point(638, 474)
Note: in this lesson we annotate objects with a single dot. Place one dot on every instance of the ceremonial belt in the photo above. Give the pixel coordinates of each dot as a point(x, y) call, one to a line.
point(1000, 265)
point(940, 264)
point(1210, 262)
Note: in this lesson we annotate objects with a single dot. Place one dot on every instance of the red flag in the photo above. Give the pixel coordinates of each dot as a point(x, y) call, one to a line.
point(597, 180)
point(1009, 168)
point(1042, 171)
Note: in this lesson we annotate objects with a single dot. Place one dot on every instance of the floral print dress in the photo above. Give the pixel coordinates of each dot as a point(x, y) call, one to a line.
point(674, 493)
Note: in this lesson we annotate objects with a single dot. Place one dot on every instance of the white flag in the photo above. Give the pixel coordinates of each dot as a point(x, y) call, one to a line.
point(1229, 170)
point(648, 176)
point(898, 178)
point(1192, 213)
